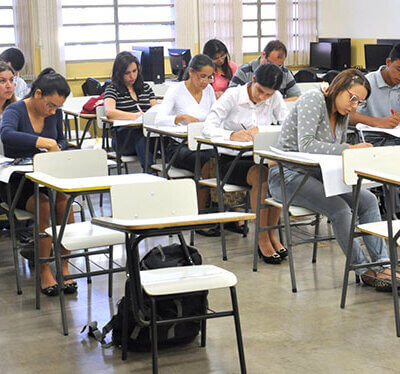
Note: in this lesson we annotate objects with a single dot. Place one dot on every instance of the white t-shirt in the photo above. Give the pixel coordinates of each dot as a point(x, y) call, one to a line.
point(234, 109)
point(178, 100)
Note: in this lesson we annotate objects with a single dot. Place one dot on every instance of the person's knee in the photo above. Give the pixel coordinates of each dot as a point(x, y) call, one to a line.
point(253, 174)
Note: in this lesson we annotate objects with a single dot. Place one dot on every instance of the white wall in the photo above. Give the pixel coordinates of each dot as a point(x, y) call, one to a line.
point(359, 18)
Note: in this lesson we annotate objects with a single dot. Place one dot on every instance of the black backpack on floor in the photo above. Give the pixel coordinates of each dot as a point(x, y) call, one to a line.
point(173, 334)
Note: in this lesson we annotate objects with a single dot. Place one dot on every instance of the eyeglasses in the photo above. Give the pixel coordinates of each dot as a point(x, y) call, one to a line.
point(222, 57)
point(51, 105)
point(355, 100)
point(206, 78)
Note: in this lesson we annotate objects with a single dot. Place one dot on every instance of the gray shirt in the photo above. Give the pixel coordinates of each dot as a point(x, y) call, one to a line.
point(307, 127)
point(383, 98)
point(245, 72)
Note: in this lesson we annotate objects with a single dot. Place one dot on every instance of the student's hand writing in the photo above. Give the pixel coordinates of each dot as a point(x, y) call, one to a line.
point(388, 122)
point(253, 130)
point(185, 118)
point(361, 145)
point(241, 136)
point(136, 115)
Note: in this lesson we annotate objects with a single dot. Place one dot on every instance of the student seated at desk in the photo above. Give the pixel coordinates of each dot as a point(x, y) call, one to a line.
point(240, 113)
point(29, 127)
point(382, 109)
point(126, 98)
point(7, 87)
point(224, 67)
point(318, 124)
point(189, 101)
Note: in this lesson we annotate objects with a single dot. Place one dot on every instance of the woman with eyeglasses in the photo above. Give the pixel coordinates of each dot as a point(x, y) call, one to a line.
point(31, 126)
point(318, 124)
point(225, 69)
point(238, 115)
point(7, 86)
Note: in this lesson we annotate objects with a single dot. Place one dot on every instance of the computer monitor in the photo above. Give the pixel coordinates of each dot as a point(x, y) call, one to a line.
point(376, 55)
point(138, 55)
point(393, 42)
point(321, 55)
point(152, 61)
point(179, 59)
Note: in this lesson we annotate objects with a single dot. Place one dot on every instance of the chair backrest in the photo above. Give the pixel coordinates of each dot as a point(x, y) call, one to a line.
point(306, 75)
point(166, 198)
point(72, 164)
point(330, 75)
point(306, 86)
point(264, 140)
point(195, 129)
point(100, 112)
point(384, 159)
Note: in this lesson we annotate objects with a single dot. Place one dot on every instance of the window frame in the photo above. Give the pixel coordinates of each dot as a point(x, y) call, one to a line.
point(7, 45)
point(116, 23)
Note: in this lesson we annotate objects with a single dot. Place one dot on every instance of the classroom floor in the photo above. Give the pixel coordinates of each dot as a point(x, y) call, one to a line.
point(283, 332)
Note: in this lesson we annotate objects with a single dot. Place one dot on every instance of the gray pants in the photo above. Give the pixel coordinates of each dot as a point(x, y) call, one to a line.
point(337, 209)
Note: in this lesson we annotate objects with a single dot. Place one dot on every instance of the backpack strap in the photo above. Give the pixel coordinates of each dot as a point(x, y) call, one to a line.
point(94, 332)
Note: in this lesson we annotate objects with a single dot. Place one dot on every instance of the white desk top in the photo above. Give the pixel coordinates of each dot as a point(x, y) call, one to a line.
point(176, 131)
point(171, 221)
point(90, 183)
point(74, 105)
point(6, 170)
point(226, 143)
point(118, 123)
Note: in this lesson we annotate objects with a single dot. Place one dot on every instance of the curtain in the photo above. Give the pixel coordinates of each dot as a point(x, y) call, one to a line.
point(222, 19)
point(297, 35)
point(24, 40)
point(50, 35)
point(186, 21)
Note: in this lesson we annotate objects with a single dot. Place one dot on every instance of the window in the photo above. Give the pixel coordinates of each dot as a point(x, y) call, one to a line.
point(259, 24)
point(7, 38)
point(99, 29)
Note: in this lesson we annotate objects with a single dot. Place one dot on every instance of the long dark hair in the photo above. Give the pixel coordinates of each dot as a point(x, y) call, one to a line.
point(343, 81)
point(121, 63)
point(197, 63)
point(5, 67)
point(214, 47)
point(49, 82)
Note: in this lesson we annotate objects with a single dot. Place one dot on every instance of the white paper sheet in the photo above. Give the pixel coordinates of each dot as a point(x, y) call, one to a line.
point(119, 122)
point(395, 132)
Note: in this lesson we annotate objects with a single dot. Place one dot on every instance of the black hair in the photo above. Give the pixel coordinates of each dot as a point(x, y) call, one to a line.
point(15, 57)
point(49, 82)
point(5, 67)
point(214, 47)
point(197, 63)
point(275, 45)
point(343, 81)
point(395, 53)
point(269, 75)
point(121, 63)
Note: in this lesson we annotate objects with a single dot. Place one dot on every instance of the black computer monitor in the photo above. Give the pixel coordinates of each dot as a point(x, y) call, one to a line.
point(152, 61)
point(341, 58)
point(376, 55)
point(179, 59)
point(321, 55)
point(393, 42)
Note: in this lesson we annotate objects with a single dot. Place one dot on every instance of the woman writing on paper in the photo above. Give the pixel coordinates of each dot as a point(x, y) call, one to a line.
point(29, 127)
point(240, 113)
point(318, 124)
point(126, 98)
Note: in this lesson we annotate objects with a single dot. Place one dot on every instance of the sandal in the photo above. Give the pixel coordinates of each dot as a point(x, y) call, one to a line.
point(235, 227)
point(283, 252)
point(50, 291)
point(70, 288)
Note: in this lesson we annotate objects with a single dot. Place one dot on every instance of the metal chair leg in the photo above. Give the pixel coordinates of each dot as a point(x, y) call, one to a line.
point(238, 330)
point(153, 327)
point(87, 263)
point(110, 267)
point(316, 233)
point(204, 321)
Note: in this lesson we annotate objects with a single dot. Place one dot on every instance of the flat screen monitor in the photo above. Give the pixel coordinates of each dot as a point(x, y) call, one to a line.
point(138, 55)
point(334, 40)
point(321, 55)
point(376, 55)
point(388, 41)
point(152, 61)
point(179, 59)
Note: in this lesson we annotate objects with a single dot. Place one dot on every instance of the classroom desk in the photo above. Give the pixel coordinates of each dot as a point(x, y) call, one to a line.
point(179, 132)
point(389, 230)
point(73, 107)
point(73, 187)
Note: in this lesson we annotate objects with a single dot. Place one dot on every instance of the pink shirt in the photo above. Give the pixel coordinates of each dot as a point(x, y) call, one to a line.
point(220, 82)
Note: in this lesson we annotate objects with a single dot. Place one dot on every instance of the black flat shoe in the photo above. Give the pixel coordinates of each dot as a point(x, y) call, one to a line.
point(50, 291)
point(275, 259)
point(70, 288)
point(283, 252)
point(213, 232)
point(235, 227)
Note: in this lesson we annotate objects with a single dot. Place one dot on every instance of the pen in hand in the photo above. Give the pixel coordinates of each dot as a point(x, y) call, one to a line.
point(244, 127)
point(139, 108)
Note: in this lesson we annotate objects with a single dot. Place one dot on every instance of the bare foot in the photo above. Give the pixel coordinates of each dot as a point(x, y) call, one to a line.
point(65, 271)
point(46, 277)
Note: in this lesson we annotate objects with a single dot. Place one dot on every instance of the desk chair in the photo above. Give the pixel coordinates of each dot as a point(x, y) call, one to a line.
point(80, 235)
point(220, 184)
point(158, 209)
point(107, 131)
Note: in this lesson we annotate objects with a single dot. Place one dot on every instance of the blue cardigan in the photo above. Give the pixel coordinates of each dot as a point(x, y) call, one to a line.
point(18, 136)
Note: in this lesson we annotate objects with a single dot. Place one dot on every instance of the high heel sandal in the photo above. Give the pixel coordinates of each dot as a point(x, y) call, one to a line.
point(283, 252)
point(275, 259)
point(70, 288)
point(50, 291)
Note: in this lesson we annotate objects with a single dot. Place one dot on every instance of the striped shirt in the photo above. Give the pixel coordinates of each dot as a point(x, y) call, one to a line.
point(124, 101)
point(245, 72)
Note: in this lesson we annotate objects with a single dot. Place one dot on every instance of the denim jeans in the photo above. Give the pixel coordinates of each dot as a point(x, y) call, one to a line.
point(337, 209)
